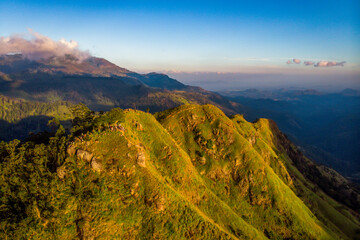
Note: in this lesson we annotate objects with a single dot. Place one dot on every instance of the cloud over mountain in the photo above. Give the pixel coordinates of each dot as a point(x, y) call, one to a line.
point(39, 46)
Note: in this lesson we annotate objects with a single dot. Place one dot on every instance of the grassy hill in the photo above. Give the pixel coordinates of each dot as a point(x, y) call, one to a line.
point(186, 173)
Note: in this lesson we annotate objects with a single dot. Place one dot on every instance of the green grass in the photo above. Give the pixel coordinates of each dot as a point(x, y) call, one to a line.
point(242, 190)
point(235, 164)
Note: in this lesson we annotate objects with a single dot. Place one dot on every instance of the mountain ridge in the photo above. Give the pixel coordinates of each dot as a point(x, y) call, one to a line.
point(188, 172)
point(99, 84)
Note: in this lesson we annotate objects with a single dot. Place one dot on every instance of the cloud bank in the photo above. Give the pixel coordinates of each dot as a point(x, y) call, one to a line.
point(317, 64)
point(39, 46)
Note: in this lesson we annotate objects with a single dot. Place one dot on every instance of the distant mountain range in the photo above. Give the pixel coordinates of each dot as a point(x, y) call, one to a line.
point(99, 84)
point(284, 94)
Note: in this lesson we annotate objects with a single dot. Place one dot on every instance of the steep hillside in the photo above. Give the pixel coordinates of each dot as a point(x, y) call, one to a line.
point(325, 125)
point(201, 133)
point(186, 173)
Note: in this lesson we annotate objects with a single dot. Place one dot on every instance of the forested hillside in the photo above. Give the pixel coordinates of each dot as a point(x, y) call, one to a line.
point(19, 118)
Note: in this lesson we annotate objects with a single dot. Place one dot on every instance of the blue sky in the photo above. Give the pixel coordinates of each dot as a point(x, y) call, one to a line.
point(200, 36)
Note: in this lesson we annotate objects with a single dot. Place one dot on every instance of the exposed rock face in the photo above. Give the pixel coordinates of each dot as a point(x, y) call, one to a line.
point(252, 140)
point(160, 203)
point(61, 172)
point(202, 160)
point(117, 127)
point(140, 156)
point(96, 164)
point(87, 156)
point(141, 159)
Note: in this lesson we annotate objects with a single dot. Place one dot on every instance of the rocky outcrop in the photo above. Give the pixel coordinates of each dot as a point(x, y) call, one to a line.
point(117, 127)
point(96, 164)
point(160, 203)
point(82, 154)
point(141, 159)
point(89, 157)
point(60, 171)
point(202, 160)
point(252, 140)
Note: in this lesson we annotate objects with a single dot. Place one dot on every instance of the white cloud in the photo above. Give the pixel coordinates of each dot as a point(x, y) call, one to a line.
point(40, 46)
point(317, 64)
point(329, 64)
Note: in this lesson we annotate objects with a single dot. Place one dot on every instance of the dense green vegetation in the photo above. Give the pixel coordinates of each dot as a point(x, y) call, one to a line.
point(13, 109)
point(19, 118)
point(186, 173)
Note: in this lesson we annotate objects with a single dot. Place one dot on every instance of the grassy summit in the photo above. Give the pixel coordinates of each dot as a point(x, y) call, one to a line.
point(186, 173)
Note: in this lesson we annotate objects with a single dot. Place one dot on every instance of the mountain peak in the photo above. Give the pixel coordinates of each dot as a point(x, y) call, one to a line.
point(67, 64)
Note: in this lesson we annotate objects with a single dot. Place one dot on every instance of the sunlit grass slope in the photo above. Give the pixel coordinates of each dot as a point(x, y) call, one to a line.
point(166, 197)
point(334, 215)
point(243, 170)
point(186, 173)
